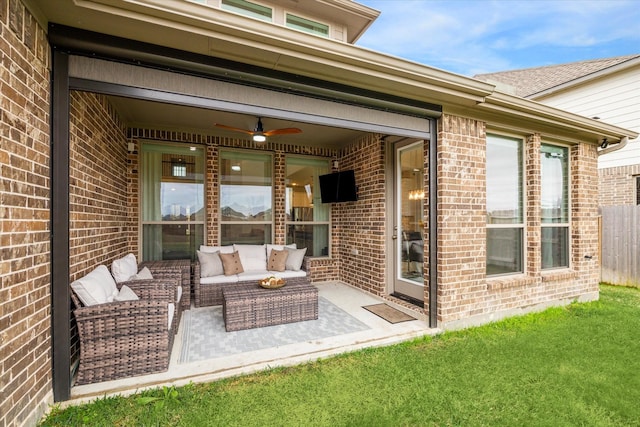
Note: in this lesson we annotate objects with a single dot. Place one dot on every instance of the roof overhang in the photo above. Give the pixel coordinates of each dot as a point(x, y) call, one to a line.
point(184, 26)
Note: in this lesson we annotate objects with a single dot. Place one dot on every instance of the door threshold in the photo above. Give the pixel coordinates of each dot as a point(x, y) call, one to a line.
point(408, 299)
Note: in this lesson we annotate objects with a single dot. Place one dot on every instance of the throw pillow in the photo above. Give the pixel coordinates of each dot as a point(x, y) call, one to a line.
point(96, 287)
point(126, 294)
point(144, 274)
point(295, 258)
point(210, 264)
point(277, 260)
point(271, 247)
point(123, 268)
point(231, 264)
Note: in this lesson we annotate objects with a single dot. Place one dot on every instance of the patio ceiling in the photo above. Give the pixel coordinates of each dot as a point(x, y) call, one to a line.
point(156, 115)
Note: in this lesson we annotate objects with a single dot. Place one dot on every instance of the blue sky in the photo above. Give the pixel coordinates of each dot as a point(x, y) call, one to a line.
point(470, 37)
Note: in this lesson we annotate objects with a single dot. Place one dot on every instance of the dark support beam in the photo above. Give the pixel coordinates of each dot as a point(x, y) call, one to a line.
point(433, 225)
point(60, 298)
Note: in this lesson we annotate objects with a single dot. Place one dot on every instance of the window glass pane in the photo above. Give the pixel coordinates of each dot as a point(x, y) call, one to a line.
point(504, 180)
point(307, 25)
point(303, 201)
point(554, 164)
point(171, 241)
point(172, 203)
point(248, 234)
point(313, 237)
point(172, 183)
point(246, 187)
point(504, 250)
point(555, 247)
point(248, 8)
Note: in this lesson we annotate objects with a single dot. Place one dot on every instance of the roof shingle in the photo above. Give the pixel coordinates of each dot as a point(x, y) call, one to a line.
point(529, 81)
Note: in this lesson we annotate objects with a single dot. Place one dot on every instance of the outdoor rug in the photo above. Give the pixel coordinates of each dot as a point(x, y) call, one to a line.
point(204, 336)
point(388, 313)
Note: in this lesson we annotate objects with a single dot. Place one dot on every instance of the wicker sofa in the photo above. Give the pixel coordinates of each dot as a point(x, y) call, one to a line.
point(208, 281)
point(125, 329)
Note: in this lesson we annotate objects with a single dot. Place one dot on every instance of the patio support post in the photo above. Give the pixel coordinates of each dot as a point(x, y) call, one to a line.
point(433, 225)
point(60, 298)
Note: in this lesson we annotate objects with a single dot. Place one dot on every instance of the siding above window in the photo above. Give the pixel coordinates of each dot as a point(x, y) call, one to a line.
point(307, 25)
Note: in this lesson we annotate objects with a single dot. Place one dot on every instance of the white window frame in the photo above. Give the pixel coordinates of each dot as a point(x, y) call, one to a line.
point(567, 224)
point(308, 18)
point(248, 14)
point(522, 226)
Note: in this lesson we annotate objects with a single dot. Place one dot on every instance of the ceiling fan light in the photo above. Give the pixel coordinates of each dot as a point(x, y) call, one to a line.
point(259, 137)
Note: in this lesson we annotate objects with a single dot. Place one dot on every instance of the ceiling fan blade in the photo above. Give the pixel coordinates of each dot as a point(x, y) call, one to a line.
point(283, 131)
point(250, 132)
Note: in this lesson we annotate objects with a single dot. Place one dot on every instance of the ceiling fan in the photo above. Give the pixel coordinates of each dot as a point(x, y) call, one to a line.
point(259, 134)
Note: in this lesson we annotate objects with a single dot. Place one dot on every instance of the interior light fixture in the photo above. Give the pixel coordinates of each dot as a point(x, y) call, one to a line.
point(259, 137)
point(416, 195)
point(235, 168)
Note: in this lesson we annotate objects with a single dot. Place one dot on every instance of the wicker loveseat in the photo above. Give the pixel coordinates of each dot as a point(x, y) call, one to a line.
point(209, 282)
point(123, 336)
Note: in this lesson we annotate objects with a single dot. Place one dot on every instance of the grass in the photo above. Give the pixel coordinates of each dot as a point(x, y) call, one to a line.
point(575, 365)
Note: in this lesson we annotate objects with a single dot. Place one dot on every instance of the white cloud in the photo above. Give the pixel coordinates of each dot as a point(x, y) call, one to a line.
point(471, 37)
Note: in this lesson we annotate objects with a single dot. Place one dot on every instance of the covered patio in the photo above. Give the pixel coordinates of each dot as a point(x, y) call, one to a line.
point(343, 326)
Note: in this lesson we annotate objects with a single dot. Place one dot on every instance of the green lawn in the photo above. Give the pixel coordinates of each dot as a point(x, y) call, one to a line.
point(576, 365)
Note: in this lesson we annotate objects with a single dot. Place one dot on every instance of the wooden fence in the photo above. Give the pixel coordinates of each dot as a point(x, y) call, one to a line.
point(620, 249)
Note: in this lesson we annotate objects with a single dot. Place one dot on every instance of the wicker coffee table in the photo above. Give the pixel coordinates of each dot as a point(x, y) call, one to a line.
point(247, 305)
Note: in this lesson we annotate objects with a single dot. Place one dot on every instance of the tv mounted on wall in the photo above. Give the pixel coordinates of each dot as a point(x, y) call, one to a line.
point(338, 187)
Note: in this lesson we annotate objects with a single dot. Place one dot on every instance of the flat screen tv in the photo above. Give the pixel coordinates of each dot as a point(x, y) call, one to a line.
point(338, 187)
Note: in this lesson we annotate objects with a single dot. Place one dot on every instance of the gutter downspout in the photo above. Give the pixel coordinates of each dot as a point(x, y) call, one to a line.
point(619, 146)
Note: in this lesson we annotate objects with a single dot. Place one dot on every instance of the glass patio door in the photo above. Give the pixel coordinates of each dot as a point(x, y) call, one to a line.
point(409, 220)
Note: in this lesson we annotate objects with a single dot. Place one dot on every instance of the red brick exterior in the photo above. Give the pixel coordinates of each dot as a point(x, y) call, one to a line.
point(619, 185)
point(100, 226)
point(25, 299)
point(465, 295)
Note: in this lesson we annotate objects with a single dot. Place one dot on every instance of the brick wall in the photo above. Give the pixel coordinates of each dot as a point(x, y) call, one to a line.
point(360, 226)
point(618, 185)
point(25, 323)
point(461, 217)
point(100, 228)
point(465, 295)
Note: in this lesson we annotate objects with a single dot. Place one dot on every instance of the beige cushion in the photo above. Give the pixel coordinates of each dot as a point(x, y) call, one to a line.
point(295, 258)
point(96, 287)
point(124, 268)
point(231, 263)
point(277, 260)
point(253, 257)
point(210, 264)
point(126, 294)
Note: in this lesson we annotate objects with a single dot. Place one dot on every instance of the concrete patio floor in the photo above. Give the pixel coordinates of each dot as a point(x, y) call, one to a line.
point(345, 297)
